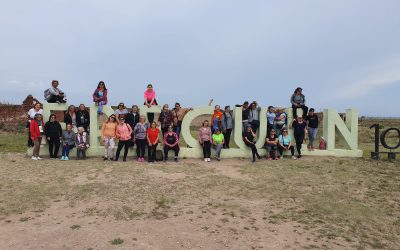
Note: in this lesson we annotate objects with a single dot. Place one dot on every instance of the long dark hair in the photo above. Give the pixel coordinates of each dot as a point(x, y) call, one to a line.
point(101, 82)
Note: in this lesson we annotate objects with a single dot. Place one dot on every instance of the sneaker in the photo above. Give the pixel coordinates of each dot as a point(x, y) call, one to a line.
point(139, 159)
point(105, 159)
point(34, 158)
point(111, 159)
point(66, 158)
point(299, 156)
point(208, 160)
point(309, 147)
point(38, 158)
point(176, 159)
point(218, 159)
point(142, 159)
point(269, 158)
point(205, 160)
point(63, 158)
point(294, 157)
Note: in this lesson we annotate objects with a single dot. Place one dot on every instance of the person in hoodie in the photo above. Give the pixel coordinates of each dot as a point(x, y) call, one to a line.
point(83, 118)
point(82, 143)
point(166, 119)
point(53, 132)
point(298, 100)
point(68, 142)
point(100, 97)
point(36, 130)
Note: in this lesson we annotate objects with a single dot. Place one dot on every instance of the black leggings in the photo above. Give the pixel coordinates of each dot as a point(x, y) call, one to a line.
point(152, 152)
point(122, 144)
point(140, 147)
point(54, 143)
point(254, 150)
point(227, 137)
point(150, 117)
point(303, 107)
point(280, 148)
point(207, 149)
point(167, 149)
point(299, 141)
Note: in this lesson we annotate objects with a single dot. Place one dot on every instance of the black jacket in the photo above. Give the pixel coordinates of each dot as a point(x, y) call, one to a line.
point(132, 119)
point(53, 130)
point(83, 119)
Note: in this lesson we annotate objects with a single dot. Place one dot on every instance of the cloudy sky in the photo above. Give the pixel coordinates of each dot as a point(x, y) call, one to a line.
point(344, 53)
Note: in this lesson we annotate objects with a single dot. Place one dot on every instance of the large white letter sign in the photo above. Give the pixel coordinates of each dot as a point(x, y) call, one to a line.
point(348, 132)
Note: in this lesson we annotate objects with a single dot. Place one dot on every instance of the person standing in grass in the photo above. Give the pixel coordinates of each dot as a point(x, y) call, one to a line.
point(150, 100)
point(36, 129)
point(152, 140)
point(36, 109)
point(100, 97)
point(53, 132)
point(249, 138)
point(312, 127)
point(165, 119)
point(271, 143)
point(83, 118)
point(82, 143)
point(227, 125)
point(108, 136)
point(205, 140)
point(218, 142)
point(123, 133)
point(285, 144)
point(140, 132)
point(299, 126)
point(68, 142)
point(171, 142)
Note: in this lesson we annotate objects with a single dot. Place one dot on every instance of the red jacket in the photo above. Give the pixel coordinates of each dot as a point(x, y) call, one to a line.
point(34, 129)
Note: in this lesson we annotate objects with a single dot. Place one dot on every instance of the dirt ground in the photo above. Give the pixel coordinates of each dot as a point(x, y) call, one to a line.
point(310, 203)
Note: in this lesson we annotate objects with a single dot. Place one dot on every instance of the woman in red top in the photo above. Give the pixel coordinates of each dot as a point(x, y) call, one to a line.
point(36, 129)
point(152, 139)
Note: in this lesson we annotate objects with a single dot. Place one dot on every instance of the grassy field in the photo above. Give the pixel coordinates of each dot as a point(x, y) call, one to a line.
point(312, 203)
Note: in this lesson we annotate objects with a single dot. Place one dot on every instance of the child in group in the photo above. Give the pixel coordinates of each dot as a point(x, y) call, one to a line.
point(82, 143)
point(108, 136)
point(271, 145)
point(205, 137)
point(68, 142)
point(100, 97)
point(218, 142)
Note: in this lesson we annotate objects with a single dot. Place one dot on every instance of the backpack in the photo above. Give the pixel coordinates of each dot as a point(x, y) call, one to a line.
point(322, 144)
point(46, 94)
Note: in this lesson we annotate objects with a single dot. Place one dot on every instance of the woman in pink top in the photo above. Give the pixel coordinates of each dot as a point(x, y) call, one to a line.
point(150, 100)
point(123, 133)
point(205, 140)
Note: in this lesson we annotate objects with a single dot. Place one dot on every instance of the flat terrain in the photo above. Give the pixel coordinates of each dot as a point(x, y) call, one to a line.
point(312, 203)
point(315, 202)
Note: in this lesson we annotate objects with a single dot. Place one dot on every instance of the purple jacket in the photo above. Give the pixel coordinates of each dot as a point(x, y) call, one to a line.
point(96, 97)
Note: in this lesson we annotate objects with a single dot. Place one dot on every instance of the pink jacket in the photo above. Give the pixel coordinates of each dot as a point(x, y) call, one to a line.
point(124, 132)
point(205, 134)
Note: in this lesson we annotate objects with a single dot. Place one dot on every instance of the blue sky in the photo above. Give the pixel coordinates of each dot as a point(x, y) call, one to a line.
point(343, 53)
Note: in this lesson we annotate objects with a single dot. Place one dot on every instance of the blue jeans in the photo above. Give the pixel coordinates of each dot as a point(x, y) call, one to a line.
point(312, 134)
point(66, 149)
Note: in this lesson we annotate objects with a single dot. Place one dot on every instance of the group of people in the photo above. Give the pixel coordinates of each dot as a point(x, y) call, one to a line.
point(124, 128)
